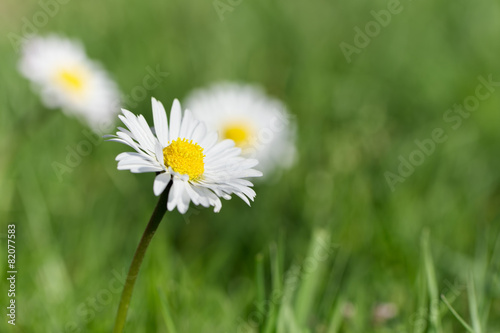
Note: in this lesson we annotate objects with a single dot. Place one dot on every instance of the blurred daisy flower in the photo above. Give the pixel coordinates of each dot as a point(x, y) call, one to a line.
point(65, 78)
point(261, 126)
point(201, 168)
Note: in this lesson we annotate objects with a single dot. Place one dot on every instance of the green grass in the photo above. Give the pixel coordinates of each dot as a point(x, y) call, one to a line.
point(262, 269)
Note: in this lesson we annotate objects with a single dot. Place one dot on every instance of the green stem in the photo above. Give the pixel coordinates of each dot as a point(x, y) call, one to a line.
point(161, 208)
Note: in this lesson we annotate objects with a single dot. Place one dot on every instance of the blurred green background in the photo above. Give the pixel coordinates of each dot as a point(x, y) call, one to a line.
point(204, 272)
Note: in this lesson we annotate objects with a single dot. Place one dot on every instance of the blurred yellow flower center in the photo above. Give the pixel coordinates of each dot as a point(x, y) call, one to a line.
point(238, 132)
point(185, 157)
point(72, 80)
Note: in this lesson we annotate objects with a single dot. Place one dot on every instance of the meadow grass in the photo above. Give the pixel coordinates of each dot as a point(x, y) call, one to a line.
point(327, 241)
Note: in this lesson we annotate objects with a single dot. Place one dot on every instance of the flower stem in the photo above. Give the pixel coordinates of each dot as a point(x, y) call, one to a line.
point(161, 208)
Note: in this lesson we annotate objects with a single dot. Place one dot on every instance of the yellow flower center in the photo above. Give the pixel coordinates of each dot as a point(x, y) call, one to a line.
point(238, 132)
point(72, 80)
point(185, 158)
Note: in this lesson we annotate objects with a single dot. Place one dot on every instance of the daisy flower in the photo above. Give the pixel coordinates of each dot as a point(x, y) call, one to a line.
point(261, 126)
point(183, 152)
point(65, 78)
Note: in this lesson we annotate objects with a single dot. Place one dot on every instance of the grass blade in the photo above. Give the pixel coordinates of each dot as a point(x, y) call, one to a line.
point(311, 276)
point(455, 313)
point(434, 319)
point(474, 313)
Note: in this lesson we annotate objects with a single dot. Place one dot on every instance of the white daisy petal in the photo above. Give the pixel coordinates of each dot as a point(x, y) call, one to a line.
point(210, 140)
point(249, 173)
point(160, 121)
point(218, 205)
point(244, 198)
point(161, 182)
point(142, 169)
point(159, 155)
point(128, 141)
point(199, 132)
point(183, 203)
point(146, 130)
point(175, 120)
point(139, 129)
point(175, 195)
point(187, 122)
point(197, 197)
point(221, 147)
point(133, 157)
